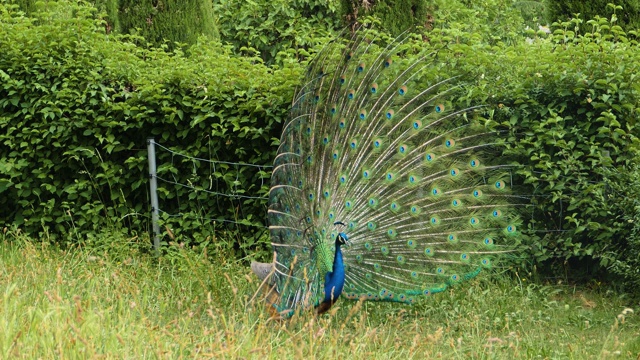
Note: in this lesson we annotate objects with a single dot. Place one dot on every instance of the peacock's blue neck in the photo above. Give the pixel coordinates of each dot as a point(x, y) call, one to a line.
point(334, 280)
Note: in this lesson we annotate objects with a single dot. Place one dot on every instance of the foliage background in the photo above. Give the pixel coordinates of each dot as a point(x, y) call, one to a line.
point(77, 107)
point(77, 104)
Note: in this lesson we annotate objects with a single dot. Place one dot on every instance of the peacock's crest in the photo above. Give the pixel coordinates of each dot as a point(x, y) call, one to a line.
point(375, 154)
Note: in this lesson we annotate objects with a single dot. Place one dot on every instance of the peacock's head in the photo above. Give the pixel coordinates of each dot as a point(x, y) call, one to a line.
point(342, 239)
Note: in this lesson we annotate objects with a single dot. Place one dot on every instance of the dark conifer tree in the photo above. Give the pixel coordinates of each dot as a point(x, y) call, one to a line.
point(168, 20)
point(396, 16)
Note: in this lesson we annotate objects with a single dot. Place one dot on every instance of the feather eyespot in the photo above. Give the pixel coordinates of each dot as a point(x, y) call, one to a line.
point(389, 114)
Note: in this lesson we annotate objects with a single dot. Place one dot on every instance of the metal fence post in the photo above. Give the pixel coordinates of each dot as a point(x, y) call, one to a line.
point(153, 187)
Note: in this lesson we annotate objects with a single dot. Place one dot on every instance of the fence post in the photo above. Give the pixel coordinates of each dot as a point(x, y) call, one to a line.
point(153, 187)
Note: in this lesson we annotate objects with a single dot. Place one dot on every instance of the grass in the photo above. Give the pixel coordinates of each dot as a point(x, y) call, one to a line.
point(109, 299)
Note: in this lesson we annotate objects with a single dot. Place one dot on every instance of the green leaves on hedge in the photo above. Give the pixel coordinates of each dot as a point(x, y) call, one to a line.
point(76, 107)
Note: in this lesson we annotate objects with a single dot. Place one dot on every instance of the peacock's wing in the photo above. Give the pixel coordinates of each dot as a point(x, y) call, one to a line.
point(373, 149)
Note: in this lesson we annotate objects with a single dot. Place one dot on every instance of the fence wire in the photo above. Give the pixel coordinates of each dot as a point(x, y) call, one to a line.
point(215, 179)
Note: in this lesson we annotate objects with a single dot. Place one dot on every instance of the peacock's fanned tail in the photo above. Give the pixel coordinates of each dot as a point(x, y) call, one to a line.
point(374, 152)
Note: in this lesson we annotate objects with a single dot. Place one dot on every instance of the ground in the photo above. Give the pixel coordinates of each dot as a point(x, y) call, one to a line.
point(112, 299)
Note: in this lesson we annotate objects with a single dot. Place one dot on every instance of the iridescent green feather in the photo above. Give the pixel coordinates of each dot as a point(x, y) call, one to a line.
point(372, 152)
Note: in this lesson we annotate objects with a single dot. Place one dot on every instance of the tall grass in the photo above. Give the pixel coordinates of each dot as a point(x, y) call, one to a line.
point(109, 298)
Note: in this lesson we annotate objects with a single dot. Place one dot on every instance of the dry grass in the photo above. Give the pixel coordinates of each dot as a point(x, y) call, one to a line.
point(122, 303)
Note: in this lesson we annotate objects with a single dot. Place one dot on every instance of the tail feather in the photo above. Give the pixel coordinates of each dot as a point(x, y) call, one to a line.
point(372, 152)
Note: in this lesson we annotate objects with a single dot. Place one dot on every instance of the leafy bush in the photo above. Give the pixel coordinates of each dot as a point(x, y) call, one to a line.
point(532, 12)
point(576, 110)
point(621, 201)
point(627, 12)
point(158, 21)
point(269, 27)
point(487, 22)
point(567, 104)
point(77, 105)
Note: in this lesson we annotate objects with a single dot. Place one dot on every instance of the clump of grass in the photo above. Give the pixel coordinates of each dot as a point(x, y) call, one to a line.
point(118, 301)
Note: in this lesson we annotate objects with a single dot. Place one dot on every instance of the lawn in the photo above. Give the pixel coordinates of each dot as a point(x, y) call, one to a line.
point(110, 298)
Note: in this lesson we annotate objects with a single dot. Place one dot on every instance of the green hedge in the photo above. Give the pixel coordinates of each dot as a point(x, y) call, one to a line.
point(622, 204)
point(627, 12)
point(76, 107)
point(569, 106)
point(276, 30)
point(160, 22)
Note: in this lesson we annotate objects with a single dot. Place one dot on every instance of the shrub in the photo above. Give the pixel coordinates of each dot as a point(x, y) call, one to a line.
point(276, 30)
point(567, 104)
point(77, 105)
point(159, 21)
point(622, 203)
point(627, 12)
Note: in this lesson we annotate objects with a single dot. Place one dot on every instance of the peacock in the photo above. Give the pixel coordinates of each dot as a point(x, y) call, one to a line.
point(382, 189)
